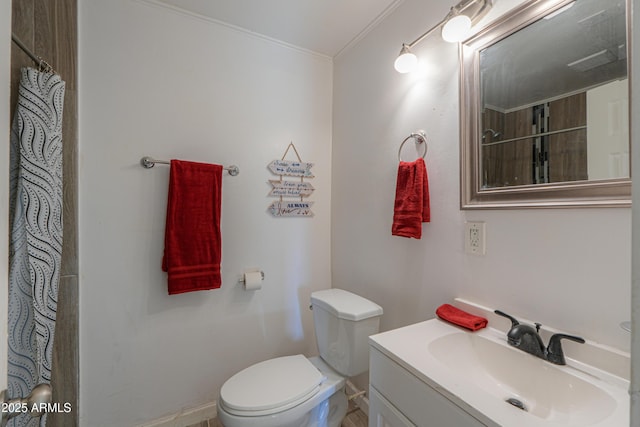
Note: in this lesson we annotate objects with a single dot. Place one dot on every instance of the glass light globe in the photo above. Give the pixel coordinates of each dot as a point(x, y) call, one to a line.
point(406, 62)
point(456, 29)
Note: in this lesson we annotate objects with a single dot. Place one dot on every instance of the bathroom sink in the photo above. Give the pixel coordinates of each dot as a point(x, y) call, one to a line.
point(502, 386)
point(527, 382)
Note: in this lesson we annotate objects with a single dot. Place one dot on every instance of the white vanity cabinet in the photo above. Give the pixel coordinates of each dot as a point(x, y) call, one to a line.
point(398, 398)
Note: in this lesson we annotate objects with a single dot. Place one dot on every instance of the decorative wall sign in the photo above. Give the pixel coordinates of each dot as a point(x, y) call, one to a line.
point(291, 209)
point(289, 188)
point(291, 168)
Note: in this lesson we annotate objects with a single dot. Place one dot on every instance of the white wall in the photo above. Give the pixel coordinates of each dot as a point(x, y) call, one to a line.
point(157, 82)
point(567, 268)
point(634, 386)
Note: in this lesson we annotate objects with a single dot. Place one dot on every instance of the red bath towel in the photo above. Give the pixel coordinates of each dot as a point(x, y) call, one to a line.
point(412, 200)
point(192, 239)
point(460, 317)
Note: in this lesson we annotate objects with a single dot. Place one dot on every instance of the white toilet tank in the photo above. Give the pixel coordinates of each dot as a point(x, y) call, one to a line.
point(343, 323)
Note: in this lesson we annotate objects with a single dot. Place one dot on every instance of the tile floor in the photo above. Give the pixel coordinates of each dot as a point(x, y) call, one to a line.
point(355, 418)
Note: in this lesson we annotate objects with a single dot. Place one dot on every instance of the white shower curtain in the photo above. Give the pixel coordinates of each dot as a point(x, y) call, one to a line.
point(35, 247)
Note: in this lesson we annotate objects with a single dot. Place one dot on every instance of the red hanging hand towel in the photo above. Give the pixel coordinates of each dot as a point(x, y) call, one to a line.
point(411, 206)
point(192, 239)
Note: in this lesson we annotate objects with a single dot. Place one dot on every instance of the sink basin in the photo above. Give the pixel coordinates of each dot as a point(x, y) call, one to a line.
point(544, 390)
point(502, 386)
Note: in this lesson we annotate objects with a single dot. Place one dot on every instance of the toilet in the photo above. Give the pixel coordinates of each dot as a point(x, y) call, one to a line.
point(295, 391)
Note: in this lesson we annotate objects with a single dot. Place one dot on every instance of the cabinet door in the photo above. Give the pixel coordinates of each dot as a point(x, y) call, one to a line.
point(415, 400)
point(384, 414)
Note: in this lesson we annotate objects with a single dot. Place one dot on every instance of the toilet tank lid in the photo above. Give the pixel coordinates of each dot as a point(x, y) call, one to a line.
point(345, 305)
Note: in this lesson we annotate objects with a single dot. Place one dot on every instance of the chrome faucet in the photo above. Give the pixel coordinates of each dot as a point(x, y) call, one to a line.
point(527, 338)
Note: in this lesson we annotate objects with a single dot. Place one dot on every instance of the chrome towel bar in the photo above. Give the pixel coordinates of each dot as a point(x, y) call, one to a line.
point(149, 162)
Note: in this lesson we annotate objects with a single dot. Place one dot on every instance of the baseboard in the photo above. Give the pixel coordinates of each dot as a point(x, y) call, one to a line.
point(186, 417)
point(361, 401)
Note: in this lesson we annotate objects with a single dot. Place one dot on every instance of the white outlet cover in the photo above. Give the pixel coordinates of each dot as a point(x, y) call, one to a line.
point(475, 237)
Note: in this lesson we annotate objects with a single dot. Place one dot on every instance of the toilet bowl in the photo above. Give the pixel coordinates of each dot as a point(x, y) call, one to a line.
point(284, 393)
point(295, 391)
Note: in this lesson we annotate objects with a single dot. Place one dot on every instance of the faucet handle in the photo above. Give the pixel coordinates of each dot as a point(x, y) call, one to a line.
point(554, 349)
point(514, 321)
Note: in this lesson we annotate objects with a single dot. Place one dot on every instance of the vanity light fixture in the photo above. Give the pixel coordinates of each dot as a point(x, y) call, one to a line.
point(455, 28)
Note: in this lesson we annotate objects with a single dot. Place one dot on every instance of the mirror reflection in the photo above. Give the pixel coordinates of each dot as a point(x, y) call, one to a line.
point(554, 99)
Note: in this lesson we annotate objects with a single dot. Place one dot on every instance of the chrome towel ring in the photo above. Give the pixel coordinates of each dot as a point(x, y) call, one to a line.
point(420, 138)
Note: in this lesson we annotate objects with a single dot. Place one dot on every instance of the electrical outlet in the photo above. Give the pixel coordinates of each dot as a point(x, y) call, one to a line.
point(474, 238)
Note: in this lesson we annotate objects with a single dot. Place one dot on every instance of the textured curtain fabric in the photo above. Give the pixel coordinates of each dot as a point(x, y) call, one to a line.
point(35, 244)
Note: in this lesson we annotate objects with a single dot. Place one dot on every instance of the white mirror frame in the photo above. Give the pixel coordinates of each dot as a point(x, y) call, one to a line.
point(601, 193)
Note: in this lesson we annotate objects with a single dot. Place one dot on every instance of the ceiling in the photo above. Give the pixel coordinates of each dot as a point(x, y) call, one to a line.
point(322, 26)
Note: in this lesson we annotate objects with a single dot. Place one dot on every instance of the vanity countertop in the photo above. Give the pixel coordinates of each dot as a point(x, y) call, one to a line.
point(481, 387)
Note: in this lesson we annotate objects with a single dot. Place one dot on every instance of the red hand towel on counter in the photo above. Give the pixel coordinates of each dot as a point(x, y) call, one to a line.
point(192, 239)
point(461, 318)
point(411, 206)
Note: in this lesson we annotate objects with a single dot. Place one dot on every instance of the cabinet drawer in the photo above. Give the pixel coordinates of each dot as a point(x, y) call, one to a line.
point(417, 401)
point(383, 414)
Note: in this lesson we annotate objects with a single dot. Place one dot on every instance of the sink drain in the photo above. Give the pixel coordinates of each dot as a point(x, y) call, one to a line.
point(516, 402)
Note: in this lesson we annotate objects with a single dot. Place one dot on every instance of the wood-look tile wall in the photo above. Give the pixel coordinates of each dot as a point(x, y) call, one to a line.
point(507, 164)
point(512, 163)
point(49, 29)
point(568, 150)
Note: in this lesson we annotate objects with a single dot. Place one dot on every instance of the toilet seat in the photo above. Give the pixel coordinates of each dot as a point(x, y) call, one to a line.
point(271, 386)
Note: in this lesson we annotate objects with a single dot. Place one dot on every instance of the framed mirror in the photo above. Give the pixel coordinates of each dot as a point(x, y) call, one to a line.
point(544, 107)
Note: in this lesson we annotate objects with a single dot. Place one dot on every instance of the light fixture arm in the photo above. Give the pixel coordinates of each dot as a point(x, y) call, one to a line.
point(429, 31)
point(455, 10)
point(464, 5)
point(456, 24)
